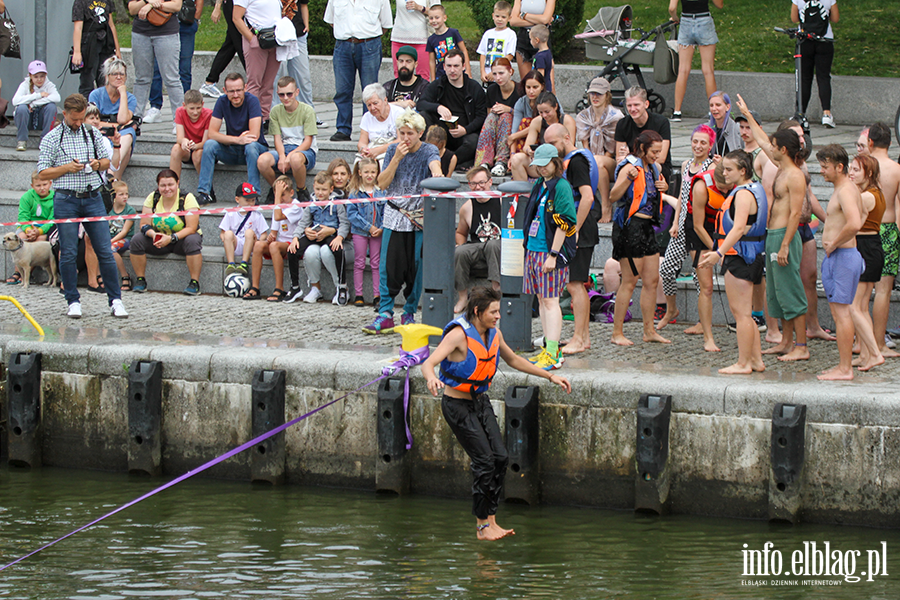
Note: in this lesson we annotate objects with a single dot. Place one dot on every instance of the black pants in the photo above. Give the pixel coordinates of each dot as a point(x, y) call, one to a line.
point(231, 46)
point(816, 57)
point(463, 147)
point(295, 259)
point(475, 426)
point(93, 53)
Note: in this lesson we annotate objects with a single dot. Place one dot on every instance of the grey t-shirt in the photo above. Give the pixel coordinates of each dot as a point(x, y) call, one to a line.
point(413, 168)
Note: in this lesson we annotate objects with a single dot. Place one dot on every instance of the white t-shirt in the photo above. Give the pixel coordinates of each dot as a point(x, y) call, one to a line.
point(495, 44)
point(381, 129)
point(284, 229)
point(261, 13)
point(410, 26)
point(257, 222)
point(826, 6)
point(361, 19)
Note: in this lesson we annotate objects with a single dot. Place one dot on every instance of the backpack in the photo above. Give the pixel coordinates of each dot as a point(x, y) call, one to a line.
point(814, 18)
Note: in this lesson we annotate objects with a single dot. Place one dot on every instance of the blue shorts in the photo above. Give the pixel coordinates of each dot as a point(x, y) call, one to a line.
point(700, 31)
point(288, 148)
point(840, 274)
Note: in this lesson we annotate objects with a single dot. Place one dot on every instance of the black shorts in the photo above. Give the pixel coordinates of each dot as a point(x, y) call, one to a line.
point(805, 232)
point(869, 247)
point(636, 240)
point(580, 265)
point(736, 266)
point(692, 241)
point(190, 157)
point(523, 44)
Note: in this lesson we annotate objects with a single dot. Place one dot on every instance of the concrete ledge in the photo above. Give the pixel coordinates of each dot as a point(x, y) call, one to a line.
point(719, 435)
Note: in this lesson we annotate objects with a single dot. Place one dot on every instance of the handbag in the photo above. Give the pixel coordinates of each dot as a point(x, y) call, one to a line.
point(266, 38)
point(188, 12)
point(74, 69)
point(665, 61)
point(10, 43)
point(157, 17)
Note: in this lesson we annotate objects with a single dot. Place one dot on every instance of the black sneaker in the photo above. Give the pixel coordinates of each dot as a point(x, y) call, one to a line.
point(193, 288)
point(265, 127)
point(340, 136)
point(140, 285)
point(293, 294)
point(760, 322)
point(342, 297)
point(203, 199)
point(676, 117)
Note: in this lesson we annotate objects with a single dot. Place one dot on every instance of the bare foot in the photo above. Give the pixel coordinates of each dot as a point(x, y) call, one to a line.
point(855, 348)
point(888, 353)
point(856, 361)
point(778, 349)
point(710, 346)
point(694, 330)
point(621, 340)
point(836, 374)
point(760, 367)
point(655, 337)
point(736, 369)
point(821, 334)
point(798, 353)
point(492, 519)
point(571, 348)
point(872, 363)
point(773, 337)
point(669, 316)
point(488, 532)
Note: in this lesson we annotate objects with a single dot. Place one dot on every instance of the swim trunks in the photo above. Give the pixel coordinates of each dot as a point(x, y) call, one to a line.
point(869, 247)
point(890, 243)
point(784, 288)
point(840, 274)
point(740, 269)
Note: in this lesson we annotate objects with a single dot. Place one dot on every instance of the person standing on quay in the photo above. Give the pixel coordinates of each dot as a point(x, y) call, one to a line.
point(468, 356)
point(74, 156)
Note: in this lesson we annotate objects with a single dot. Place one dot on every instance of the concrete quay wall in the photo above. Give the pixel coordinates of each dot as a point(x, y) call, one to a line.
point(719, 434)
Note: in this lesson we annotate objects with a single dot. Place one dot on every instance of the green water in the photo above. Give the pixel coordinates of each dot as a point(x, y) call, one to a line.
point(215, 539)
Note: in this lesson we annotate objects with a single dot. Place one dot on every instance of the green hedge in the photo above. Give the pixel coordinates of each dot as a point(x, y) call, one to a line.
point(560, 35)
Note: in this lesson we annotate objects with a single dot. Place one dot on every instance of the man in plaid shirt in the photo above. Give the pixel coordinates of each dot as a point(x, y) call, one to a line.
point(73, 155)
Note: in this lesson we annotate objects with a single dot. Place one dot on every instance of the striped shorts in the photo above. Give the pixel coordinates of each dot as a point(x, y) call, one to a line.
point(545, 285)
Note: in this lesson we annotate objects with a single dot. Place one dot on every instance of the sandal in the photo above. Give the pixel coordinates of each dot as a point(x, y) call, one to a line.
point(126, 283)
point(252, 294)
point(278, 295)
point(15, 279)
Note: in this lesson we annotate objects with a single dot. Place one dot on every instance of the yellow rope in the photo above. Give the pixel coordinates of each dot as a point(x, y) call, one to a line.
point(24, 312)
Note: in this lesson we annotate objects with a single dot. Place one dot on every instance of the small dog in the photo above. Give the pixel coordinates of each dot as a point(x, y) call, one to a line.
point(28, 255)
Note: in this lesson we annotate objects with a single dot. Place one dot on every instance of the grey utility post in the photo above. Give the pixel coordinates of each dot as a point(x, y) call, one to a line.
point(515, 307)
point(438, 247)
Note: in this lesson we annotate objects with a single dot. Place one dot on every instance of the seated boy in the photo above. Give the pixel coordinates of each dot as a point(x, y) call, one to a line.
point(121, 230)
point(275, 244)
point(240, 230)
point(437, 136)
point(35, 205)
point(191, 132)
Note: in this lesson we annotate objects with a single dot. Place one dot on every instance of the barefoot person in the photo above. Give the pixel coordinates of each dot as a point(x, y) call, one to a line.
point(468, 356)
point(741, 231)
point(639, 186)
point(843, 263)
point(784, 249)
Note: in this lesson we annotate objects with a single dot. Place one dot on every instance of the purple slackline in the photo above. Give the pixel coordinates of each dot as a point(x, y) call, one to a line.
point(407, 360)
point(201, 468)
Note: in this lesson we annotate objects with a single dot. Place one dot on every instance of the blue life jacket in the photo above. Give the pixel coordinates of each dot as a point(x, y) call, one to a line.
point(752, 243)
point(473, 375)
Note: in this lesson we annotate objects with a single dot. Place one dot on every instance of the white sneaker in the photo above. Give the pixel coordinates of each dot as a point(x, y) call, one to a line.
point(828, 121)
point(209, 89)
point(335, 299)
point(74, 310)
point(117, 309)
point(313, 295)
point(152, 116)
point(889, 342)
point(321, 124)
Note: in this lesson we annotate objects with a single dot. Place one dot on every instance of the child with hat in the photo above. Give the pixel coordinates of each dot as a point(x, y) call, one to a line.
point(35, 104)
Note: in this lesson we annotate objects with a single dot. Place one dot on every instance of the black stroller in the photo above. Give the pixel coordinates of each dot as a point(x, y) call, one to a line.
point(608, 38)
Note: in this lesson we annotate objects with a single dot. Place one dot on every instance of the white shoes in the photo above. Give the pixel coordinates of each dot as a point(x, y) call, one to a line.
point(828, 121)
point(210, 90)
point(74, 310)
point(117, 309)
point(152, 116)
point(313, 295)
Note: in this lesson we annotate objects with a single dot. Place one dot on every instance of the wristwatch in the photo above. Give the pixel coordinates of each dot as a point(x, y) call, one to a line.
point(554, 253)
point(174, 239)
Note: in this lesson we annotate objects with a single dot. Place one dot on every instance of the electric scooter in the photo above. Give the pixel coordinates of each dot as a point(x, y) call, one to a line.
point(799, 36)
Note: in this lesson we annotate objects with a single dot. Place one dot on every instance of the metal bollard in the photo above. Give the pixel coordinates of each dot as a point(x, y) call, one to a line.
point(787, 458)
point(515, 307)
point(145, 417)
point(523, 481)
point(438, 246)
point(268, 456)
point(23, 388)
point(391, 468)
point(651, 484)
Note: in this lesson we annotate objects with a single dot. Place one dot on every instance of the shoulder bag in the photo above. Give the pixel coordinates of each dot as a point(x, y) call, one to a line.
point(158, 18)
point(10, 43)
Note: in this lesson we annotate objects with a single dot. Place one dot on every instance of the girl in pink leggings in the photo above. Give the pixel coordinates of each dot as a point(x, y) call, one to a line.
point(365, 225)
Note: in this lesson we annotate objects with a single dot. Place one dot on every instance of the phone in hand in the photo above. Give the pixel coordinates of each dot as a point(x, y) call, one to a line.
point(158, 237)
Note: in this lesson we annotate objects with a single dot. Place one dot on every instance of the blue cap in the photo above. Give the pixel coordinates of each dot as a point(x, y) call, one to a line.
point(544, 154)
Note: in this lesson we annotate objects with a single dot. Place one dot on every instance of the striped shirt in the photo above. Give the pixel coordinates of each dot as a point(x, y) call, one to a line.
point(62, 145)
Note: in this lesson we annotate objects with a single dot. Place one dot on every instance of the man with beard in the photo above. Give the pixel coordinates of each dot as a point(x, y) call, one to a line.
point(405, 90)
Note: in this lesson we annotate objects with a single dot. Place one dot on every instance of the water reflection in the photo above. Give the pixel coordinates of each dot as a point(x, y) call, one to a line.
point(212, 539)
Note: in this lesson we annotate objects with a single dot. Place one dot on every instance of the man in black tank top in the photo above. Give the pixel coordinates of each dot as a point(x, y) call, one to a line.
point(477, 238)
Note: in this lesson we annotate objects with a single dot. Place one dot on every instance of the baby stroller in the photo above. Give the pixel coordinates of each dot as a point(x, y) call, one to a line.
point(608, 38)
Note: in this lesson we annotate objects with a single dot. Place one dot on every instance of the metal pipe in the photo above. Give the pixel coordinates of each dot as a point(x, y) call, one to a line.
point(40, 30)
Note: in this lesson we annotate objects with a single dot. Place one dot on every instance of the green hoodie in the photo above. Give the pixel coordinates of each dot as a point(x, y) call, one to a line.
point(34, 208)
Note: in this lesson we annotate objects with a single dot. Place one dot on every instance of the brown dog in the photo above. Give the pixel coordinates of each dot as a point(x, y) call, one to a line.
point(28, 255)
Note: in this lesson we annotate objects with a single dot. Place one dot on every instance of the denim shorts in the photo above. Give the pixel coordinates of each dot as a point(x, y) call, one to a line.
point(697, 32)
point(288, 148)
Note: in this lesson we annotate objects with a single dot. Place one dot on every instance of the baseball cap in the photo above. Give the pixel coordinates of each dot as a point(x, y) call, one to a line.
point(740, 117)
point(246, 190)
point(408, 51)
point(36, 66)
point(544, 154)
point(599, 85)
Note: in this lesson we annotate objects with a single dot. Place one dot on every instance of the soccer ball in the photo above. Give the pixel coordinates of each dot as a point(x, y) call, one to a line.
point(236, 285)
